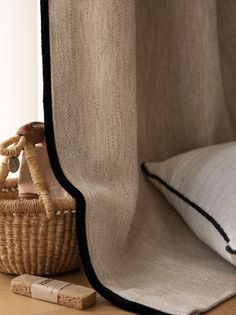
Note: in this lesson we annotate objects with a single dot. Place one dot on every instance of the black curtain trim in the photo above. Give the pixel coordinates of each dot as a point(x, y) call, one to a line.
point(66, 184)
point(216, 225)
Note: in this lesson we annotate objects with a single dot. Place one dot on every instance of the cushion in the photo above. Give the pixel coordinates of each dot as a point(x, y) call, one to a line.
point(201, 185)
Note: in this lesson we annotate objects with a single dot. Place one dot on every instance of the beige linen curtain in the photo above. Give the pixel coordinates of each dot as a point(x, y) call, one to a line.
point(131, 81)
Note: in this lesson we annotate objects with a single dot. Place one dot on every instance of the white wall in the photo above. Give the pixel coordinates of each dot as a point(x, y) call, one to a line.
point(40, 116)
point(18, 64)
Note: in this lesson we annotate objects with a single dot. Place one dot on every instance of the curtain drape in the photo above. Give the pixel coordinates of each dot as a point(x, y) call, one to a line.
point(126, 82)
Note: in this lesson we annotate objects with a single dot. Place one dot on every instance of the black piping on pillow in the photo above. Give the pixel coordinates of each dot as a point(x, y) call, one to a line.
point(216, 225)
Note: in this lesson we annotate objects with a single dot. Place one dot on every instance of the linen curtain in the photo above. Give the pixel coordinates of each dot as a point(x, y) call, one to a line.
point(126, 82)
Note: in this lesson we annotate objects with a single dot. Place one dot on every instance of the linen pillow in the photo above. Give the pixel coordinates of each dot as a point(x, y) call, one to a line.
point(201, 185)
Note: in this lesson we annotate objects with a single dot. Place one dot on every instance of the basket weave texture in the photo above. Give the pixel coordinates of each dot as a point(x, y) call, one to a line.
point(37, 236)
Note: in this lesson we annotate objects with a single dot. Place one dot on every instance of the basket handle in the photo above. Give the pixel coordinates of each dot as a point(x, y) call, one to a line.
point(27, 142)
point(18, 144)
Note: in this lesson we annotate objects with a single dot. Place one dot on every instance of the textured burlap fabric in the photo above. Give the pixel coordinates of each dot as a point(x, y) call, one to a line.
point(133, 81)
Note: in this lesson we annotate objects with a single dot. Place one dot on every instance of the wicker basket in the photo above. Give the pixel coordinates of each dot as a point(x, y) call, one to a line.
point(37, 236)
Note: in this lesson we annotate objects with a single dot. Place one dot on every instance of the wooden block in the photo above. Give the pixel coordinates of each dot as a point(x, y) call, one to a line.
point(46, 289)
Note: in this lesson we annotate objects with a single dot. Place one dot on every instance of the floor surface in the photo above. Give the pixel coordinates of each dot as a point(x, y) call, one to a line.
point(13, 304)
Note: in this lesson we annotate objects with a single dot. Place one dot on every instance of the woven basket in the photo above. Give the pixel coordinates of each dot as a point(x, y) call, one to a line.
point(37, 236)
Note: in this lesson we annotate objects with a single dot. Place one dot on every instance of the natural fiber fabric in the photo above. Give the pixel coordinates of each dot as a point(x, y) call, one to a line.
point(133, 81)
point(201, 185)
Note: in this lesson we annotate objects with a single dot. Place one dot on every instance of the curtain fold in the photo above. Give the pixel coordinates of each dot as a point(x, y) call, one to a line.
point(133, 81)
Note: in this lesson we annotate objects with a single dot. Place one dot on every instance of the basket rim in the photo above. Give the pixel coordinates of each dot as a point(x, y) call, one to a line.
point(35, 206)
